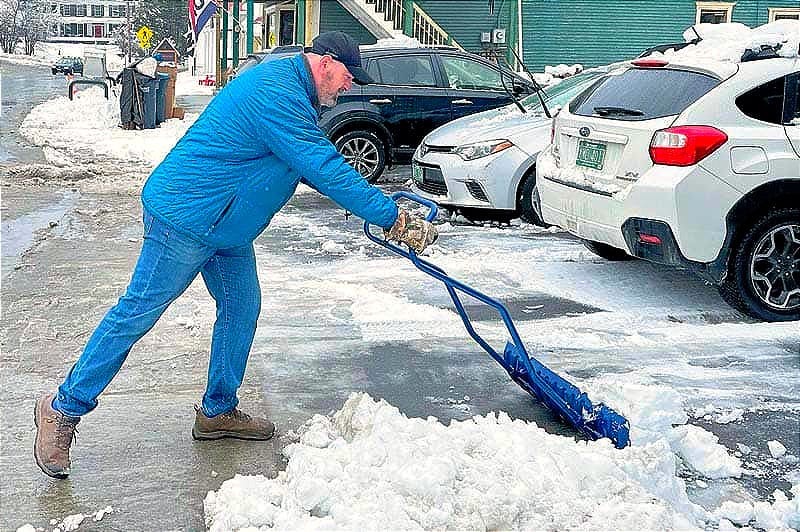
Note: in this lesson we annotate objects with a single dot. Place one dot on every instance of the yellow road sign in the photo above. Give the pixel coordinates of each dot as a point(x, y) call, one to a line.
point(144, 34)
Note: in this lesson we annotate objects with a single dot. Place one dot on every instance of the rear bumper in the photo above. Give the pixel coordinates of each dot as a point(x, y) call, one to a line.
point(685, 208)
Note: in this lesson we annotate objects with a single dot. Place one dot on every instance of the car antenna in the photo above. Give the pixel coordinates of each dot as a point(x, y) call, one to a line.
point(537, 87)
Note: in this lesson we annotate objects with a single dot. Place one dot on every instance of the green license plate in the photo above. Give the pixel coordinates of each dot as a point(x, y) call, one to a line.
point(416, 173)
point(591, 154)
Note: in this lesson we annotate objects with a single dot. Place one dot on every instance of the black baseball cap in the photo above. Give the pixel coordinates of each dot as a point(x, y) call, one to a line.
point(344, 49)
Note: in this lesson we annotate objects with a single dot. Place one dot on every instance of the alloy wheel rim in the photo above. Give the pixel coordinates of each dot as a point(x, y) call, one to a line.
point(362, 155)
point(775, 268)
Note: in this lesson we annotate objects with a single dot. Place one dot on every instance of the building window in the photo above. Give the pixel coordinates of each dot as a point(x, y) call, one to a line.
point(116, 11)
point(80, 10)
point(98, 11)
point(72, 30)
point(784, 13)
point(714, 12)
point(68, 10)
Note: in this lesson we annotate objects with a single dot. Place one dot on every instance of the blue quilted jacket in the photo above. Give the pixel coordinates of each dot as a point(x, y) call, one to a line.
point(242, 159)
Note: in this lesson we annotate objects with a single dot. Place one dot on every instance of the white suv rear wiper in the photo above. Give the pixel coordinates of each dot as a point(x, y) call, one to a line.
point(609, 110)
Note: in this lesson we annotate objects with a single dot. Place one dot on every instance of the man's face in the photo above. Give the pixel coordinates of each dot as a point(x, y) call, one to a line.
point(334, 80)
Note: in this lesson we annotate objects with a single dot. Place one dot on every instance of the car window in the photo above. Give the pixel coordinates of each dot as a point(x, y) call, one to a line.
point(463, 73)
point(765, 102)
point(563, 92)
point(413, 70)
point(643, 94)
point(795, 118)
point(374, 73)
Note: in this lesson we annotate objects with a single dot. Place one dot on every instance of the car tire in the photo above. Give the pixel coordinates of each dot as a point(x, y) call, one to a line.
point(526, 210)
point(760, 286)
point(54, 71)
point(607, 252)
point(365, 152)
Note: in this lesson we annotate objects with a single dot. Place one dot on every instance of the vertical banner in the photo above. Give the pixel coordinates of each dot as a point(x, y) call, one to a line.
point(199, 13)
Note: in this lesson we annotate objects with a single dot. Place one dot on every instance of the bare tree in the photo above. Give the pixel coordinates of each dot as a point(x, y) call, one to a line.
point(35, 22)
point(9, 35)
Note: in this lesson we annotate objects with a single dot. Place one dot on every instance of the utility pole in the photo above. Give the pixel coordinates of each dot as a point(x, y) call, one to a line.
point(128, 30)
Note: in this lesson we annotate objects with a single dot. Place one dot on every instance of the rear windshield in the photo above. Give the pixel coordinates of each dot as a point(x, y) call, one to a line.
point(643, 94)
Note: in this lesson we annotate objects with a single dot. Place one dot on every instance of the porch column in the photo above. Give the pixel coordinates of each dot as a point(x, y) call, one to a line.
point(408, 17)
point(249, 27)
point(224, 56)
point(237, 27)
point(300, 22)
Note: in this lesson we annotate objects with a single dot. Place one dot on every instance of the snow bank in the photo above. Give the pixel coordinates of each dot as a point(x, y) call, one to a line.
point(370, 467)
point(86, 130)
point(398, 41)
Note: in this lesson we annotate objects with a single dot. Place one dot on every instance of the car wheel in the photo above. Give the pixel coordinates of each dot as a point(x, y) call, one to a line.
point(763, 278)
point(365, 152)
point(526, 210)
point(607, 252)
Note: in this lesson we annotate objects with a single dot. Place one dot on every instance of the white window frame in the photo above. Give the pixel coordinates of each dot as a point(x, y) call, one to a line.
point(714, 6)
point(774, 11)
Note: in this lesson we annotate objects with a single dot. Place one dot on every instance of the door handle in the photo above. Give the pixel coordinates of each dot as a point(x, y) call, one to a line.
point(461, 102)
point(381, 101)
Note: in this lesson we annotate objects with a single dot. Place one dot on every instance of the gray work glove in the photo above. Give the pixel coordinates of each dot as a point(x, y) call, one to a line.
point(412, 230)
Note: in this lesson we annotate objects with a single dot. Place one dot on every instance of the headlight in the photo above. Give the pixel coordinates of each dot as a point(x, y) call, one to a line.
point(477, 150)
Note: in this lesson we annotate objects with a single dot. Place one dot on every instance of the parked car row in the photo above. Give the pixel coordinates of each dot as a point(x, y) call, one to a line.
point(688, 162)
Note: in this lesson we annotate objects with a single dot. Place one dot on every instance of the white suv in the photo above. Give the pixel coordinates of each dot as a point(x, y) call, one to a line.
point(688, 162)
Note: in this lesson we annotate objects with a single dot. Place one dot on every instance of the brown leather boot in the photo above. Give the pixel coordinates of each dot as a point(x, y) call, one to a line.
point(233, 424)
point(54, 434)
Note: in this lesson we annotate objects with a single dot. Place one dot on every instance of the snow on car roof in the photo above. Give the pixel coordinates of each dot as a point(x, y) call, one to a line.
point(722, 46)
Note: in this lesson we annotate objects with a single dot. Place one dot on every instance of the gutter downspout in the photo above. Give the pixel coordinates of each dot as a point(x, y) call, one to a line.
point(520, 48)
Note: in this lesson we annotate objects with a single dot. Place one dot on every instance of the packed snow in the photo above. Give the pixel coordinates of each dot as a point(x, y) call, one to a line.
point(728, 42)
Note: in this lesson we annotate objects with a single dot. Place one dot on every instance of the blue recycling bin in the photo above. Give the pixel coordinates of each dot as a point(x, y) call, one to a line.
point(149, 90)
point(161, 103)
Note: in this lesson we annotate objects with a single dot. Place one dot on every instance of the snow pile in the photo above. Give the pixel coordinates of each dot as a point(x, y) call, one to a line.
point(187, 84)
point(728, 42)
point(85, 131)
point(398, 41)
point(702, 452)
point(370, 467)
point(776, 448)
point(562, 70)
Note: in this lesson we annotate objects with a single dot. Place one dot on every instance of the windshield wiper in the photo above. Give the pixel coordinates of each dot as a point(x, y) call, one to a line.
point(610, 110)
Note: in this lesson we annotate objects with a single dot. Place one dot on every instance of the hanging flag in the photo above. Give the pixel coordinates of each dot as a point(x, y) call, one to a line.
point(199, 13)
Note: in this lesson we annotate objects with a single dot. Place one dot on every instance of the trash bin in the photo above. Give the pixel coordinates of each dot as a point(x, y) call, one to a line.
point(149, 90)
point(161, 104)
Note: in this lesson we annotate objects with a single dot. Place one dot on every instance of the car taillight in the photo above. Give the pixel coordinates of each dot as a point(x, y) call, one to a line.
point(685, 145)
point(650, 63)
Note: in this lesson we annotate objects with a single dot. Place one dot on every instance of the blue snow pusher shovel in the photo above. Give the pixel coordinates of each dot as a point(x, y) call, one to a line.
point(564, 398)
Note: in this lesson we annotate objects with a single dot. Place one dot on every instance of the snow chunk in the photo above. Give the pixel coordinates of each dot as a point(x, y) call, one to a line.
point(737, 512)
point(776, 448)
point(701, 451)
point(378, 469)
point(334, 248)
point(27, 527)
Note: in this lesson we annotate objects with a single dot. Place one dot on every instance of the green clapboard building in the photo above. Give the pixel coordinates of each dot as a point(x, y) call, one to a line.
point(542, 32)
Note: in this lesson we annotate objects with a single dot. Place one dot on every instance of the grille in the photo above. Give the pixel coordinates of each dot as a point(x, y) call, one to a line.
point(476, 190)
point(437, 189)
point(432, 181)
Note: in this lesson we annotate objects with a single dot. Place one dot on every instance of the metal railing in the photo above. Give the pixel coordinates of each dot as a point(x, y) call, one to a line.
point(428, 32)
point(424, 28)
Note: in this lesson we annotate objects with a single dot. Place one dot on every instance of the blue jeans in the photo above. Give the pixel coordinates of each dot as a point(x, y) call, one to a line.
point(167, 265)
